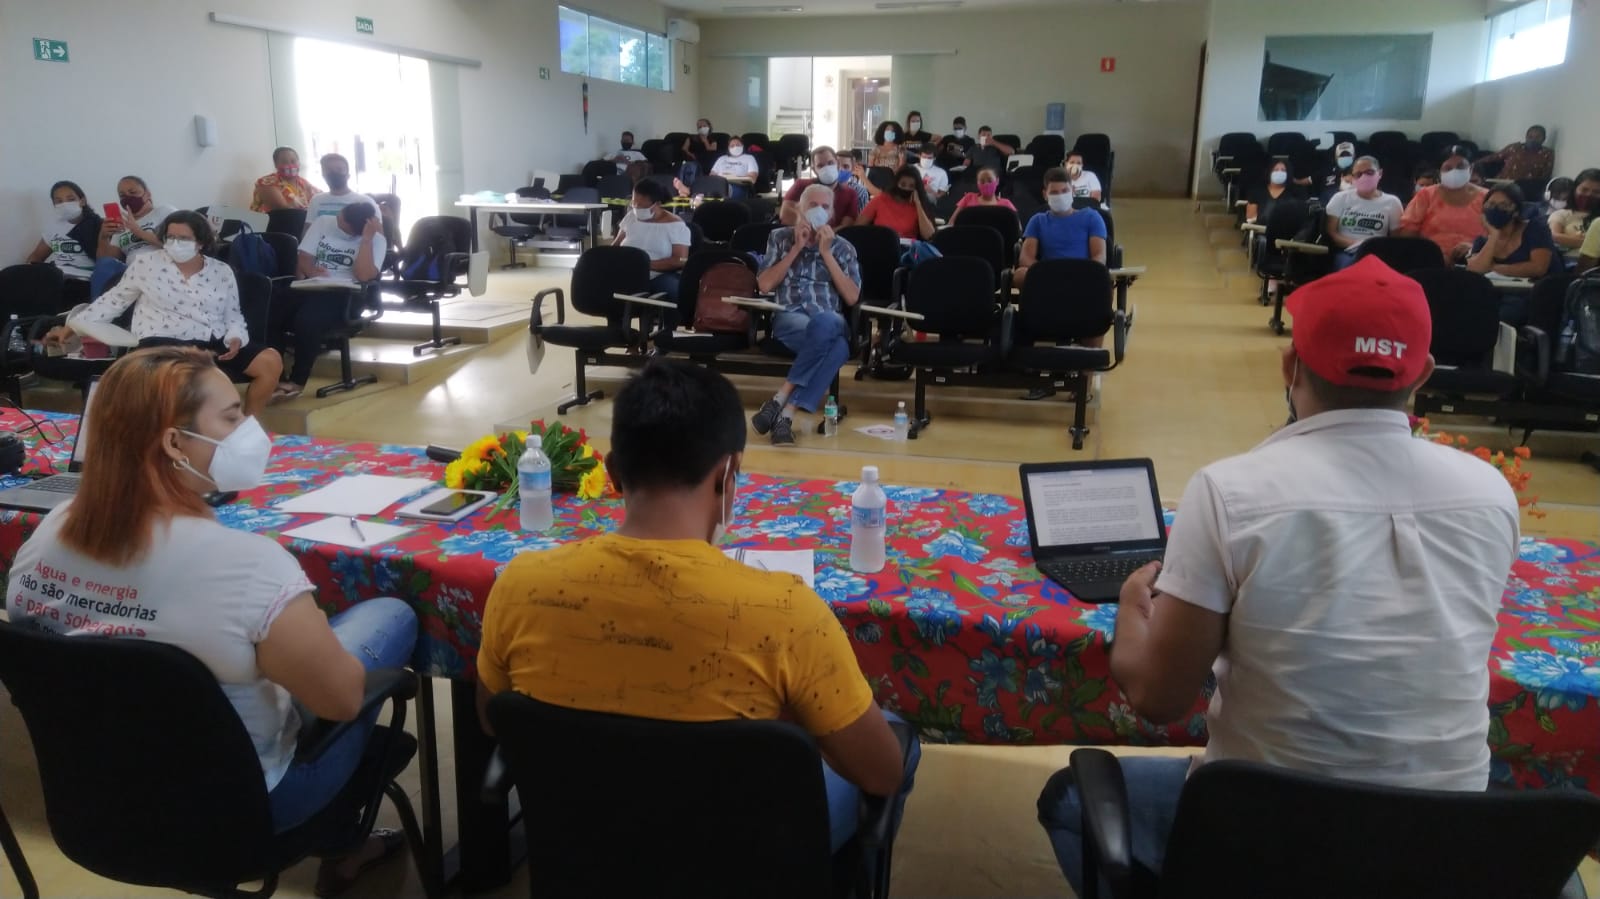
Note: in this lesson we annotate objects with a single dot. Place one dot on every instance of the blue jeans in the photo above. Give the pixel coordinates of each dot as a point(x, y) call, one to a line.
point(667, 283)
point(1343, 259)
point(381, 633)
point(105, 271)
point(820, 349)
point(1154, 785)
point(844, 798)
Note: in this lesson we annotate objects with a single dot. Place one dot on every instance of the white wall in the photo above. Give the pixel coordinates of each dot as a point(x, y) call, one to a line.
point(125, 102)
point(1554, 97)
point(1001, 69)
point(1237, 40)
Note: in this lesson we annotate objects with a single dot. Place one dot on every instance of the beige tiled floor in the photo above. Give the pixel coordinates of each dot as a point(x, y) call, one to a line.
point(1200, 382)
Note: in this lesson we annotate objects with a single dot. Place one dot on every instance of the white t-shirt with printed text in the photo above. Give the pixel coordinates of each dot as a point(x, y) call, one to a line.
point(1360, 218)
point(729, 166)
point(327, 205)
point(1087, 184)
point(65, 253)
point(150, 221)
point(334, 250)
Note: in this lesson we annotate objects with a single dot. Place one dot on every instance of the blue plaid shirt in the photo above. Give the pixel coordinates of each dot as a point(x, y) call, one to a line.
point(808, 287)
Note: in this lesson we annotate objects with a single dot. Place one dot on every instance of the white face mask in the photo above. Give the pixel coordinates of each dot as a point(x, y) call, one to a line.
point(983, 140)
point(960, 133)
point(828, 174)
point(1074, 171)
point(1558, 205)
point(1061, 202)
point(180, 250)
point(914, 125)
point(889, 136)
point(240, 460)
point(736, 150)
point(704, 130)
point(644, 213)
point(1280, 177)
point(1346, 161)
point(925, 162)
point(69, 211)
point(1455, 179)
point(817, 216)
point(725, 510)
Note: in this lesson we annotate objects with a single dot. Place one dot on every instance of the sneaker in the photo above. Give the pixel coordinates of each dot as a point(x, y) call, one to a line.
point(783, 432)
point(1039, 393)
point(763, 420)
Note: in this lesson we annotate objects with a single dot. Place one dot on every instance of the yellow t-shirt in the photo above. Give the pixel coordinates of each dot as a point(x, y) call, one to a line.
point(668, 629)
point(1591, 243)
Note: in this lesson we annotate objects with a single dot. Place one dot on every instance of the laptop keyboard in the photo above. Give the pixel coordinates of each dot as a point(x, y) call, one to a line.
point(1083, 571)
point(56, 483)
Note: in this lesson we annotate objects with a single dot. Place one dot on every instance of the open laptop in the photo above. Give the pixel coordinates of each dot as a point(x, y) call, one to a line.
point(47, 493)
point(1091, 524)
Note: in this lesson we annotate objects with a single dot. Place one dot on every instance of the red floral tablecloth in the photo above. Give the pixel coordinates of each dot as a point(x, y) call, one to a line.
point(959, 632)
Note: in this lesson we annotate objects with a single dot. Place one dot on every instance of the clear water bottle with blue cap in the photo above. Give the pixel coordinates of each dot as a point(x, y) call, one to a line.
point(533, 487)
point(869, 508)
point(902, 423)
point(830, 418)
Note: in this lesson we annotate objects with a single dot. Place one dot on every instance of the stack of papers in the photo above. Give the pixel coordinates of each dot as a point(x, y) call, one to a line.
point(798, 562)
point(348, 532)
point(361, 494)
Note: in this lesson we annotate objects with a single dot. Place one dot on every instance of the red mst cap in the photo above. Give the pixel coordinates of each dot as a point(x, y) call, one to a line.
point(1367, 316)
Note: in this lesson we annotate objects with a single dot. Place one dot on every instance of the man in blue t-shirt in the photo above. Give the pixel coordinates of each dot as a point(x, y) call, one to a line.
point(1063, 232)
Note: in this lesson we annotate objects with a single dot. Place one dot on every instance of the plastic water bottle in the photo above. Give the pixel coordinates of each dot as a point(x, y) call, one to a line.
point(902, 424)
point(533, 487)
point(830, 418)
point(868, 522)
point(18, 342)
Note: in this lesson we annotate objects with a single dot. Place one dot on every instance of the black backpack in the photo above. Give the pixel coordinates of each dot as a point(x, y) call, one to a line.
point(1578, 350)
point(250, 254)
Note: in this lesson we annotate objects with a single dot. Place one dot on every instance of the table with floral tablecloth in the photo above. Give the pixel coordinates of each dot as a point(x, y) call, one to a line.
point(959, 633)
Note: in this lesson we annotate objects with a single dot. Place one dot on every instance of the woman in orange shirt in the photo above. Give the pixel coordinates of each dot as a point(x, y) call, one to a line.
point(1449, 213)
point(900, 207)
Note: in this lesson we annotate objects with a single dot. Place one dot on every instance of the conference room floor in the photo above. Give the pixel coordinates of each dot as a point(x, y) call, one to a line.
point(1201, 382)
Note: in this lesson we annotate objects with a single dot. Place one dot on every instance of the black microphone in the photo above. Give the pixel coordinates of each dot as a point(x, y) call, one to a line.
point(443, 454)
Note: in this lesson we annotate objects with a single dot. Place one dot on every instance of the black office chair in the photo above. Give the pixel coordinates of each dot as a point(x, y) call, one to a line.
point(593, 172)
point(675, 334)
point(601, 273)
point(1558, 368)
point(1047, 150)
point(1002, 220)
point(255, 303)
point(1246, 829)
point(30, 296)
point(1063, 303)
point(518, 227)
point(976, 241)
point(1435, 143)
point(363, 304)
point(720, 220)
point(287, 221)
point(1466, 330)
point(1403, 254)
point(712, 186)
point(435, 258)
point(700, 809)
point(762, 209)
point(753, 139)
point(180, 803)
point(752, 238)
point(794, 153)
point(878, 254)
point(1288, 255)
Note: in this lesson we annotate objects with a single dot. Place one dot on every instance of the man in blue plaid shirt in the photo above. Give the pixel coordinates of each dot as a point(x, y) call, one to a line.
point(813, 275)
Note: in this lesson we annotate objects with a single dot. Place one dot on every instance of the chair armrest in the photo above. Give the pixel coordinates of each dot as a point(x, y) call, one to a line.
point(1300, 246)
point(1505, 350)
point(497, 780)
point(1253, 228)
point(1542, 352)
point(384, 684)
point(753, 303)
point(1107, 823)
point(1129, 273)
point(1240, 204)
point(1229, 173)
point(892, 312)
point(1215, 158)
point(645, 301)
point(456, 264)
point(538, 304)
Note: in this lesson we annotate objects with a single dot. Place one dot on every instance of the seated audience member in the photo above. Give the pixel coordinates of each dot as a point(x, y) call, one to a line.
point(662, 235)
point(336, 172)
point(700, 152)
point(1061, 233)
point(70, 240)
point(1340, 579)
point(1263, 197)
point(626, 155)
point(886, 150)
point(121, 239)
point(1526, 160)
point(813, 276)
point(988, 194)
point(900, 208)
point(915, 136)
point(1449, 213)
point(987, 152)
point(1572, 207)
point(347, 246)
point(955, 147)
point(677, 446)
point(184, 297)
point(1335, 176)
point(850, 171)
point(740, 170)
point(1589, 253)
point(1084, 182)
point(1512, 244)
point(1425, 176)
point(236, 601)
point(284, 188)
point(844, 206)
point(935, 181)
point(1359, 213)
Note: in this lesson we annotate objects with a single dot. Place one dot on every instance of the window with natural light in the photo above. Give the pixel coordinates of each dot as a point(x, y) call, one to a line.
point(1531, 36)
point(602, 49)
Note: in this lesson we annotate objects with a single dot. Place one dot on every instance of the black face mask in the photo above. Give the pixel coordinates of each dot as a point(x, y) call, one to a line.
point(627, 145)
point(1288, 400)
point(337, 181)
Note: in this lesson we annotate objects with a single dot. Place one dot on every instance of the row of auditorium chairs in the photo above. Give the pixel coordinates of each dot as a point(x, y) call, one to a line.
point(1242, 159)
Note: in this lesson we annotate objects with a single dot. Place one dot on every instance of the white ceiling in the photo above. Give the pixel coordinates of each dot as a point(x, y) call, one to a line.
point(719, 9)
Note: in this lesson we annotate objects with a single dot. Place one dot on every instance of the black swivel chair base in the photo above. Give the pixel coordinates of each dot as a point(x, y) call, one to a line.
point(510, 265)
point(438, 343)
point(347, 384)
point(582, 399)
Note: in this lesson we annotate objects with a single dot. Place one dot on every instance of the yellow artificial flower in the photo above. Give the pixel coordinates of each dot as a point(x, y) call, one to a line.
point(588, 451)
point(454, 472)
point(479, 450)
point(593, 484)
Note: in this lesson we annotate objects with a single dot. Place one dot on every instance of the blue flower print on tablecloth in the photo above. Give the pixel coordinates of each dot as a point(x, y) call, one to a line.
point(951, 543)
point(291, 476)
point(1537, 551)
point(788, 527)
point(995, 726)
point(900, 495)
point(1102, 618)
point(935, 615)
point(351, 573)
point(1003, 572)
point(294, 446)
point(437, 658)
point(495, 545)
point(1019, 533)
point(1559, 680)
point(989, 504)
point(1533, 617)
point(992, 673)
point(1039, 685)
point(250, 518)
point(837, 585)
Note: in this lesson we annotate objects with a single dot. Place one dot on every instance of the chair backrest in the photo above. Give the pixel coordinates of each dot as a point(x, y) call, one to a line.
point(878, 254)
point(604, 271)
point(977, 241)
point(1403, 254)
point(529, 219)
point(432, 238)
point(1001, 219)
point(594, 171)
point(752, 238)
point(718, 221)
point(1048, 150)
point(1095, 147)
point(149, 775)
point(30, 289)
point(1466, 314)
point(660, 153)
point(1260, 830)
point(577, 195)
point(1241, 145)
point(286, 247)
point(255, 301)
point(762, 209)
point(287, 221)
point(1064, 300)
point(615, 187)
point(1382, 142)
point(1288, 217)
point(753, 139)
point(1547, 303)
point(955, 296)
point(1434, 143)
point(711, 186)
point(794, 151)
point(718, 808)
point(694, 268)
point(1285, 143)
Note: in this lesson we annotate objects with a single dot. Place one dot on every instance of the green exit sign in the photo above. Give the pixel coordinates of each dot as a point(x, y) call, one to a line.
point(49, 50)
point(364, 26)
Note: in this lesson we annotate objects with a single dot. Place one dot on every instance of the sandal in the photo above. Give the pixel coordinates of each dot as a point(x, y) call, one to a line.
point(287, 391)
point(331, 883)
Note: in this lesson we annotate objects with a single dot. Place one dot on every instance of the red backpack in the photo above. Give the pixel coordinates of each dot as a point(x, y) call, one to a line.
point(725, 279)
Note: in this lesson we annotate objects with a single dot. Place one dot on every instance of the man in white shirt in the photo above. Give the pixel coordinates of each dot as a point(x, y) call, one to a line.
point(934, 179)
point(626, 154)
point(336, 174)
point(740, 170)
point(346, 247)
point(1363, 211)
point(1341, 580)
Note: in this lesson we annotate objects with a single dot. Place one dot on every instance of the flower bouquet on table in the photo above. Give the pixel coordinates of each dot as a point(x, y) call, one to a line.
point(1509, 464)
point(490, 463)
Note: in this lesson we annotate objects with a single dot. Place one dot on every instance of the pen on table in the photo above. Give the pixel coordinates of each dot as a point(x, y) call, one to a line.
point(356, 526)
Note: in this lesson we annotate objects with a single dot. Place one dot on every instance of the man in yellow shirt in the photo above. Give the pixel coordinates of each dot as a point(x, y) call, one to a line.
point(654, 621)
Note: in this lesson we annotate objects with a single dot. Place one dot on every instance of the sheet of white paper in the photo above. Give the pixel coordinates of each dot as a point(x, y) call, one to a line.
point(361, 494)
point(799, 562)
point(882, 432)
point(339, 532)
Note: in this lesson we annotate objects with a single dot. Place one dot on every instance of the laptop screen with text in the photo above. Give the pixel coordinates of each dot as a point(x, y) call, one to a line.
point(1093, 507)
